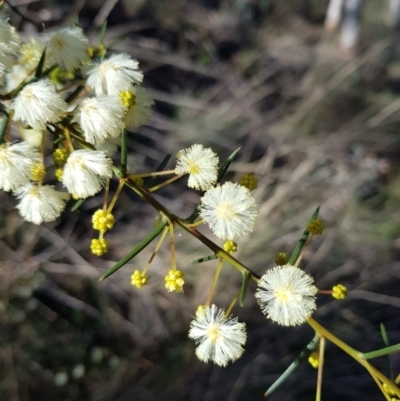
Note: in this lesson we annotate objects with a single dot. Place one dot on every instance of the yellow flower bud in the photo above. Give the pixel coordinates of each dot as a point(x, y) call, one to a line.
point(339, 292)
point(139, 279)
point(99, 246)
point(103, 220)
point(313, 360)
point(128, 99)
point(281, 259)
point(59, 173)
point(38, 172)
point(230, 246)
point(174, 281)
point(60, 156)
point(250, 181)
point(316, 227)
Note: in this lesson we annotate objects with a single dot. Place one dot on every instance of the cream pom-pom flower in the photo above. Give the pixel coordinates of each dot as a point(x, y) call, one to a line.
point(68, 47)
point(229, 210)
point(85, 172)
point(200, 163)
point(114, 75)
point(40, 204)
point(30, 54)
point(16, 163)
point(38, 104)
point(219, 338)
point(101, 118)
point(286, 295)
point(5, 31)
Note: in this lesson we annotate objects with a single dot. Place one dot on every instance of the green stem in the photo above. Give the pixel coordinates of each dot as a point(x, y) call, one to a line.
point(381, 352)
point(292, 367)
point(358, 356)
point(185, 225)
point(138, 248)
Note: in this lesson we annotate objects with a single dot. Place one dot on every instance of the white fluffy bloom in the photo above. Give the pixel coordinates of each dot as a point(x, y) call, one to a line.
point(200, 163)
point(5, 31)
point(32, 136)
point(68, 47)
point(14, 78)
point(286, 295)
point(38, 104)
point(101, 118)
point(16, 162)
point(229, 210)
point(40, 204)
point(6, 60)
point(86, 171)
point(30, 54)
point(114, 75)
point(141, 111)
point(218, 339)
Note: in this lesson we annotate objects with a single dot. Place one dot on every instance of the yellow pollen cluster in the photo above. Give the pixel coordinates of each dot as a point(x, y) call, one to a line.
point(281, 259)
point(193, 167)
point(128, 99)
point(339, 292)
point(60, 156)
point(313, 360)
point(139, 279)
point(316, 227)
point(38, 172)
point(249, 181)
point(59, 173)
point(213, 333)
point(99, 246)
point(174, 281)
point(230, 246)
point(103, 220)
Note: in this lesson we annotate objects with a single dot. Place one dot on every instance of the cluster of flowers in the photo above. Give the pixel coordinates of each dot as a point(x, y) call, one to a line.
point(86, 125)
point(110, 100)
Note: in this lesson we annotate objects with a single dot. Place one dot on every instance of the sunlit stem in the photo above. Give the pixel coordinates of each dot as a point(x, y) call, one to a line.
point(196, 223)
point(327, 292)
point(303, 250)
point(186, 226)
point(320, 368)
point(379, 384)
point(376, 373)
point(234, 300)
point(172, 243)
point(163, 184)
point(156, 173)
point(160, 241)
point(382, 352)
point(358, 356)
point(106, 192)
point(116, 195)
point(214, 283)
point(68, 139)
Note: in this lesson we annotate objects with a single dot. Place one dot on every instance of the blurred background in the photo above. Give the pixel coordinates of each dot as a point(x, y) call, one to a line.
point(309, 89)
